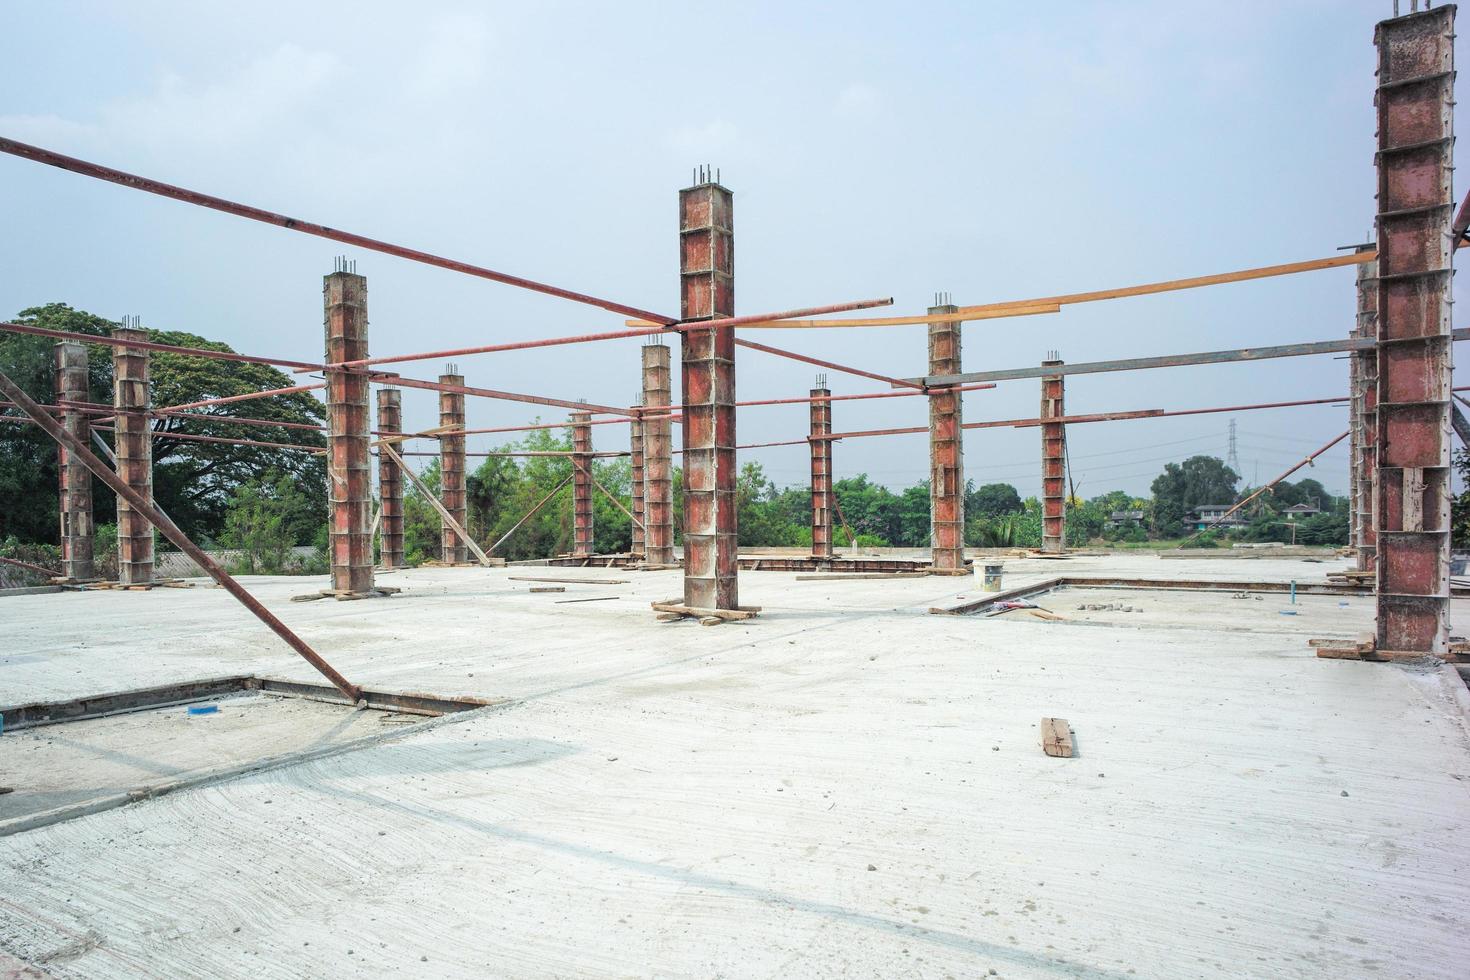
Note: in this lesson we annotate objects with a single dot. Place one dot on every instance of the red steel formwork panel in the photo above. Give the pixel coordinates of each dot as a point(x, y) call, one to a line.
point(75, 480)
point(946, 451)
point(658, 484)
point(1365, 418)
point(707, 291)
point(635, 480)
point(1415, 101)
point(452, 548)
point(1053, 462)
point(821, 447)
point(349, 476)
point(133, 446)
point(390, 482)
point(581, 485)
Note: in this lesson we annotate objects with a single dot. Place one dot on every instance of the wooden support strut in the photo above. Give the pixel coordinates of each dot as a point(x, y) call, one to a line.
point(434, 502)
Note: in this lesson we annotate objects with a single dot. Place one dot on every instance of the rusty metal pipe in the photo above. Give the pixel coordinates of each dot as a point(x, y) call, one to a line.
point(510, 396)
point(249, 396)
point(87, 169)
point(690, 323)
point(52, 573)
point(896, 382)
point(496, 348)
point(217, 355)
point(1308, 459)
point(171, 531)
point(529, 514)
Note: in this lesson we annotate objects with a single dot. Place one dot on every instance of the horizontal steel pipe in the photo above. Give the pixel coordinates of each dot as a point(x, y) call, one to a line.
point(216, 355)
point(791, 355)
point(497, 348)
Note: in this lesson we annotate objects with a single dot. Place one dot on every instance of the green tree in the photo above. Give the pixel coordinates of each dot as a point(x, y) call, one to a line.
point(992, 499)
point(265, 518)
point(1182, 487)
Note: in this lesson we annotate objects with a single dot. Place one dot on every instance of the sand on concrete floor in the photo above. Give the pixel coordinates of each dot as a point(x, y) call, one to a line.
point(843, 786)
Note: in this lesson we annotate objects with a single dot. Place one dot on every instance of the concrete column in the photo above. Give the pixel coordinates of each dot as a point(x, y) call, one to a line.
point(658, 482)
point(635, 447)
point(1365, 418)
point(946, 452)
point(390, 483)
point(1053, 462)
point(75, 480)
point(133, 439)
point(451, 470)
point(707, 281)
point(1415, 102)
point(582, 485)
point(821, 450)
point(349, 473)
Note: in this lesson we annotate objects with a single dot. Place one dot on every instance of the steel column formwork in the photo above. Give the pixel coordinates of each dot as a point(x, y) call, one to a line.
point(1414, 101)
point(349, 477)
point(635, 481)
point(658, 483)
point(946, 451)
point(390, 482)
point(1364, 375)
point(452, 548)
point(74, 479)
point(821, 449)
point(1053, 461)
point(133, 442)
point(582, 485)
point(707, 292)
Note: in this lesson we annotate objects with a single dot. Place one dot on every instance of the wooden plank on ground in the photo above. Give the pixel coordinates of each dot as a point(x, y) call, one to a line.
point(570, 581)
point(1056, 737)
point(744, 612)
point(858, 576)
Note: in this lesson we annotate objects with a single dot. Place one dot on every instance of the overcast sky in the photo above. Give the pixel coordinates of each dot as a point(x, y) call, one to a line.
point(996, 151)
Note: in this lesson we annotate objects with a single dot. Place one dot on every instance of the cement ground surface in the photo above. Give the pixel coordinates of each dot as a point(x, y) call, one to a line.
point(844, 786)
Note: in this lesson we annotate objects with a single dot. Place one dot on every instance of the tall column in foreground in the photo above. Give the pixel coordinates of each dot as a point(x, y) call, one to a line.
point(133, 438)
point(1053, 462)
point(821, 449)
point(635, 482)
point(1365, 417)
point(390, 482)
point(707, 281)
point(946, 451)
point(658, 481)
point(349, 459)
point(581, 485)
point(1415, 101)
point(75, 480)
point(451, 470)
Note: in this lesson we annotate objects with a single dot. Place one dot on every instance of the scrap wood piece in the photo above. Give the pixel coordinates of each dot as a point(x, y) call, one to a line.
point(569, 581)
point(1040, 613)
point(676, 606)
point(1056, 737)
point(595, 598)
point(548, 588)
point(858, 576)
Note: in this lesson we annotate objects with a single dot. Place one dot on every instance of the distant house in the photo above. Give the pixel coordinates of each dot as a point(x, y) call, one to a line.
point(1125, 518)
point(1207, 515)
point(1297, 512)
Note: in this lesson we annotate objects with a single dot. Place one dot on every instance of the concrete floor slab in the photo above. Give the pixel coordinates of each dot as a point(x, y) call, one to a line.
point(843, 786)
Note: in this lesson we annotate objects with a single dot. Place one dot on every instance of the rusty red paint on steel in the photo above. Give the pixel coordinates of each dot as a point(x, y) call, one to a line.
point(75, 498)
point(452, 548)
point(821, 456)
point(1365, 418)
point(390, 482)
point(581, 486)
point(144, 506)
point(1053, 463)
point(134, 449)
point(497, 348)
point(566, 424)
point(53, 159)
point(140, 342)
point(509, 396)
point(707, 292)
point(946, 450)
point(658, 484)
point(896, 382)
point(349, 477)
point(720, 255)
point(635, 480)
point(1414, 103)
point(222, 440)
point(249, 396)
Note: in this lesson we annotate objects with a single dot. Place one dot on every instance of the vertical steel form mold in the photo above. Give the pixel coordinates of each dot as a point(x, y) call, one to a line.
point(1415, 101)
point(658, 482)
point(390, 482)
point(1053, 461)
point(581, 485)
point(635, 481)
point(946, 451)
point(707, 291)
point(1364, 375)
point(821, 448)
point(452, 548)
point(349, 476)
point(75, 480)
point(133, 438)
